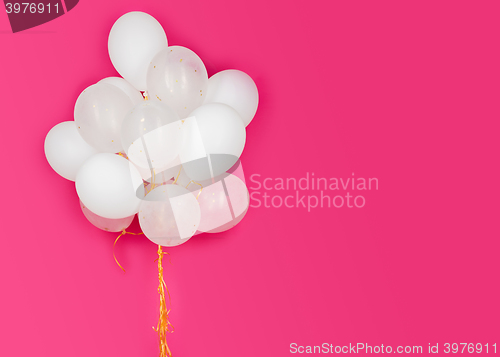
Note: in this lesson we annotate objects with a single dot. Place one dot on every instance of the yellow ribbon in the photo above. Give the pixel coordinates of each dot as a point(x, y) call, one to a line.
point(153, 184)
point(121, 234)
point(175, 181)
point(196, 183)
point(164, 324)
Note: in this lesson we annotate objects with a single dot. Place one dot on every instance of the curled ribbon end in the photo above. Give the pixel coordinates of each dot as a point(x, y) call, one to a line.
point(114, 244)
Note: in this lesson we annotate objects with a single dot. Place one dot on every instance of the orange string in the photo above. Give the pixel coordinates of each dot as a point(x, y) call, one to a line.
point(164, 324)
point(175, 181)
point(114, 244)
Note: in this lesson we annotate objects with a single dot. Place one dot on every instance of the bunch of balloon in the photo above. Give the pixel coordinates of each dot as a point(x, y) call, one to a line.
point(162, 142)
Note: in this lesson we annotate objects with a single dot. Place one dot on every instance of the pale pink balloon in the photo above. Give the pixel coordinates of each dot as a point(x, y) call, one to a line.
point(106, 224)
point(223, 204)
point(237, 170)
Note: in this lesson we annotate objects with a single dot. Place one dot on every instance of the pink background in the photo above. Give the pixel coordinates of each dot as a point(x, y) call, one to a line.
point(407, 92)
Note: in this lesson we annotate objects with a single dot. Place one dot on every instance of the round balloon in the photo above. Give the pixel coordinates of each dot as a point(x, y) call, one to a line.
point(106, 224)
point(65, 149)
point(134, 40)
point(134, 95)
point(236, 89)
point(99, 113)
point(215, 138)
point(169, 215)
point(110, 186)
point(178, 78)
point(152, 135)
point(223, 203)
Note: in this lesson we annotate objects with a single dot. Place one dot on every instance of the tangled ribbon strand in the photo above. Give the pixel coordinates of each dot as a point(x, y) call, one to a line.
point(164, 324)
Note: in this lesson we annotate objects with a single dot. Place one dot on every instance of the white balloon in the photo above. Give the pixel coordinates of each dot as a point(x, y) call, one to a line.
point(106, 224)
point(215, 138)
point(110, 186)
point(65, 149)
point(99, 113)
point(178, 78)
point(134, 95)
point(133, 41)
point(152, 135)
point(169, 215)
point(236, 89)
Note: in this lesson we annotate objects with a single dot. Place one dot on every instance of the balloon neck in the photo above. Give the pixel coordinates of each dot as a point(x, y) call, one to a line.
point(145, 94)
